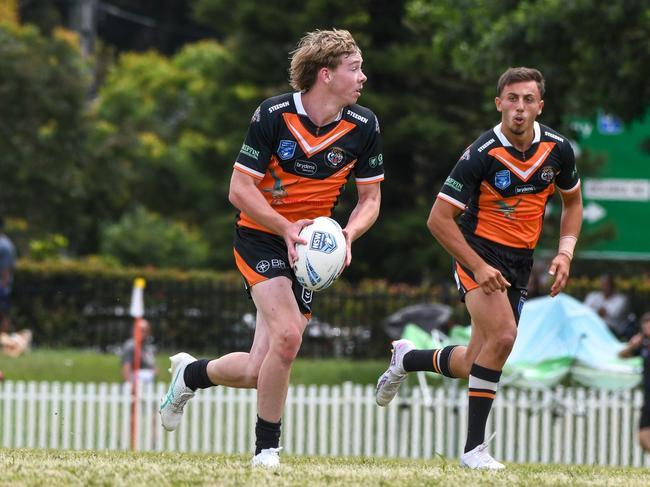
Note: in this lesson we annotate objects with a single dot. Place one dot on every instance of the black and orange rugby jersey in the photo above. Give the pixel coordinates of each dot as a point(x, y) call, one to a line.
point(503, 192)
point(303, 168)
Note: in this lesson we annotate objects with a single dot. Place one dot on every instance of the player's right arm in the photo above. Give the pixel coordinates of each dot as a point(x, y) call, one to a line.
point(246, 197)
point(442, 225)
point(456, 192)
point(248, 171)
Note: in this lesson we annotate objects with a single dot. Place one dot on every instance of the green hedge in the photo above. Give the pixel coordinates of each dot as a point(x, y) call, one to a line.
point(86, 304)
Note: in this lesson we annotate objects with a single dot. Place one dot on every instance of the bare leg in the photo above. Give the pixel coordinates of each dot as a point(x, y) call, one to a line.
point(462, 358)
point(276, 303)
point(240, 369)
point(492, 317)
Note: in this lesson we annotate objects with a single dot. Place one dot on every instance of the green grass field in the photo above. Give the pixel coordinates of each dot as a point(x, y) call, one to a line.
point(89, 366)
point(55, 468)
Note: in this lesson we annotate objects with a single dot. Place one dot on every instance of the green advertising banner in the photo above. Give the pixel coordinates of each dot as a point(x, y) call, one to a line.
point(617, 198)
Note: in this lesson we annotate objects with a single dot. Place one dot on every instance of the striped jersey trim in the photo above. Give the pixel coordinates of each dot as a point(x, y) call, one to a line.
point(452, 201)
point(247, 170)
point(570, 190)
point(370, 180)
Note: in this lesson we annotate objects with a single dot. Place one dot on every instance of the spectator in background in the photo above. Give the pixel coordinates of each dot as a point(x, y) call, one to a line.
point(610, 305)
point(639, 344)
point(7, 265)
point(147, 371)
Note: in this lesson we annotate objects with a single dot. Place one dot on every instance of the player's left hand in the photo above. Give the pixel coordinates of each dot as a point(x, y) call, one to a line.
point(559, 269)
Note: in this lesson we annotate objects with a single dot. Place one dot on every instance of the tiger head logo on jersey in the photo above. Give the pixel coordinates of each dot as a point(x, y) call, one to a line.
point(334, 157)
point(547, 174)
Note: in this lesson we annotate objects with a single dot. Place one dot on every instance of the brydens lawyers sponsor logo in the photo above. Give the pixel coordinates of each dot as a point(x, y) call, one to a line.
point(305, 167)
point(526, 188)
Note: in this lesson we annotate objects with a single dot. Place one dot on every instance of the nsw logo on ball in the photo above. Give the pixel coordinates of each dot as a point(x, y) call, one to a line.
point(323, 242)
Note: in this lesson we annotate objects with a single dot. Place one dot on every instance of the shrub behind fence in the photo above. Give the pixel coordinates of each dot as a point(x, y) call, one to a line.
point(80, 304)
point(72, 307)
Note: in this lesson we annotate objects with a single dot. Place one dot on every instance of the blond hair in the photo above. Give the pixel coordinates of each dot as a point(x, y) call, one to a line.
point(316, 50)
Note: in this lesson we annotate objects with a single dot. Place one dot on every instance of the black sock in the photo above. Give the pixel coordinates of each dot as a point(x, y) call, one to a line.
point(267, 435)
point(196, 375)
point(483, 383)
point(429, 360)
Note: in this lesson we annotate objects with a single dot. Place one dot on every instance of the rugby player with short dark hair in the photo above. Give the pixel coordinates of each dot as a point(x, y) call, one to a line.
point(501, 185)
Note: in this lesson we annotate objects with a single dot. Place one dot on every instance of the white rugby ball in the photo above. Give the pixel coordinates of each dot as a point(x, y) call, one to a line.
point(321, 260)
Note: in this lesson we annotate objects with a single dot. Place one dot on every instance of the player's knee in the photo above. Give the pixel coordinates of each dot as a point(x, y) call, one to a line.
point(288, 345)
point(504, 340)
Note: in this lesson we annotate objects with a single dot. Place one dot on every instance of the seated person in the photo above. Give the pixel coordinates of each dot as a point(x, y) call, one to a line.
point(611, 306)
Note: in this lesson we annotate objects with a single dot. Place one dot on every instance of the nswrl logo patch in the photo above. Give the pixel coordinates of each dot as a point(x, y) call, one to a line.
point(502, 179)
point(323, 242)
point(287, 149)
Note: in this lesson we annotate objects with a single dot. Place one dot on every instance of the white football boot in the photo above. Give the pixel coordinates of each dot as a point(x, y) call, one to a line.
point(389, 382)
point(171, 406)
point(479, 458)
point(267, 458)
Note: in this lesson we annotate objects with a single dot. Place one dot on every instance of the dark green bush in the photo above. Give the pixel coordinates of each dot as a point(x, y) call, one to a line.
point(86, 304)
point(143, 238)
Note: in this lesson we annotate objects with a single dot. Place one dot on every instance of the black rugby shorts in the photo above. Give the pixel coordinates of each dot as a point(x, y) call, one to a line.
point(514, 264)
point(261, 256)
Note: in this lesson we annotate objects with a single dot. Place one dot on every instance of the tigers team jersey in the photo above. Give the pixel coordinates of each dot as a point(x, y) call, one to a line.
point(503, 192)
point(302, 168)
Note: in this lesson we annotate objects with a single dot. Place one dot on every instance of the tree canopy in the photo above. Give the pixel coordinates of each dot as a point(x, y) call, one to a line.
point(87, 143)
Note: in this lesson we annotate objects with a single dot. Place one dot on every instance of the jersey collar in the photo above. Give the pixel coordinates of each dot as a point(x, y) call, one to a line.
point(506, 143)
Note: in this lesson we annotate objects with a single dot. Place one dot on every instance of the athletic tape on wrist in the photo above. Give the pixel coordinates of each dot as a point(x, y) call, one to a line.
point(567, 245)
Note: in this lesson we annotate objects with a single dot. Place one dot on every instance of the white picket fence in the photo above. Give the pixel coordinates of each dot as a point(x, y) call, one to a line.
point(565, 425)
